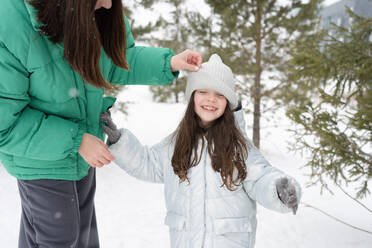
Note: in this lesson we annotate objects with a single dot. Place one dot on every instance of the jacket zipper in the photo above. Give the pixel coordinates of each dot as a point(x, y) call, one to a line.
point(205, 193)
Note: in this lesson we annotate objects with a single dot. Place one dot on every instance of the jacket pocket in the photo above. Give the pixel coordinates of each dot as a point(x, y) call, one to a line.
point(233, 233)
point(222, 226)
point(175, 221)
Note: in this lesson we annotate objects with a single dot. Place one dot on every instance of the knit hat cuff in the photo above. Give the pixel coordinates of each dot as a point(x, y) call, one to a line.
point(202, 80)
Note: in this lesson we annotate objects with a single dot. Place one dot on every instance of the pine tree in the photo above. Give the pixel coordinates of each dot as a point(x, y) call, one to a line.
point(139, 32)
point(251, 36)
point(329, 96)
point(176, 37)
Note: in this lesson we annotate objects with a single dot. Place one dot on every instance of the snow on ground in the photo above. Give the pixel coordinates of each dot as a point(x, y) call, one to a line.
point(130, 212)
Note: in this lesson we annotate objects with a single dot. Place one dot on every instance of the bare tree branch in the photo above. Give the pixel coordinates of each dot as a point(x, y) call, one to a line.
point(336, 219)
point(353, 198)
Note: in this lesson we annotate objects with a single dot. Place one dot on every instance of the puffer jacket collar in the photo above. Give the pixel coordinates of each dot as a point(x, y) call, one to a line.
point(33, 16)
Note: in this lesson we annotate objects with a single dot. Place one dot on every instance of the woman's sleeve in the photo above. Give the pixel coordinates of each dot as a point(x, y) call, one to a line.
point(260, 183)
point(25, 131)
point(148, 65)
point(143, 162)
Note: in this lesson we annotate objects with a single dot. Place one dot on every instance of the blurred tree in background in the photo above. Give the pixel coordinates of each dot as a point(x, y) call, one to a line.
point(250, 35)
point(277, 51)
point(252, 38)
point(138, 32)
point(328, 93)
point(174, 35)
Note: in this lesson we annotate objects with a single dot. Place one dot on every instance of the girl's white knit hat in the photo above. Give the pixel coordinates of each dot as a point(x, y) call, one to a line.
point(214, 75)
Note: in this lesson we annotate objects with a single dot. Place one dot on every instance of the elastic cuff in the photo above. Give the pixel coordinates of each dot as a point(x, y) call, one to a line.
point(78, 138)
point(167, 68)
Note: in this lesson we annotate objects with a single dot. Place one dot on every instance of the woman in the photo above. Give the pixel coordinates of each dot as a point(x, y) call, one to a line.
point(53, 74)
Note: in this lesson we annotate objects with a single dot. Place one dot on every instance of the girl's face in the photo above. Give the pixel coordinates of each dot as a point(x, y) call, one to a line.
point(209, 105)
point(103, 3)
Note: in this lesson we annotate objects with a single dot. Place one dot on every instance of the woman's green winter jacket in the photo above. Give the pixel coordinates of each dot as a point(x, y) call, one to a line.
point(45, 106)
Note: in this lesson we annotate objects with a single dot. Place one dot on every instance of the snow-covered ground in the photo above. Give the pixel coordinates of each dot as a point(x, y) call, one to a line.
point(130, 212)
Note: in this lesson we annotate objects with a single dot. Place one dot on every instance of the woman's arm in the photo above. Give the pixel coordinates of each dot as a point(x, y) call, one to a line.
point(25, 131)
point(147, 65)
point(152, 66)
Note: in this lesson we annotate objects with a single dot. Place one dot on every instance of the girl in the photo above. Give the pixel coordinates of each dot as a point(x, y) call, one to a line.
point(56, 59)
point(212, 173)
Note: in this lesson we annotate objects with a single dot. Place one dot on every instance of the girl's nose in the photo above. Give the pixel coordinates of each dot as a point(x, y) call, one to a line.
point(212, 97)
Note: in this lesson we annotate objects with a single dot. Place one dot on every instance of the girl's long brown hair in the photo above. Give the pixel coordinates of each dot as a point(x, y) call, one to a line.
point(83, 31)
point(226, 145)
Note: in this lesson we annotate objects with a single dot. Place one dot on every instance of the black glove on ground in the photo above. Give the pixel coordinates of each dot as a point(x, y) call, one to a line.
point(287, 193)
point(113, 134)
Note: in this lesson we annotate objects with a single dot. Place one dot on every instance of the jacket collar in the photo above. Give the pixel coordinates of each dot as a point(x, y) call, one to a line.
point(33, 16)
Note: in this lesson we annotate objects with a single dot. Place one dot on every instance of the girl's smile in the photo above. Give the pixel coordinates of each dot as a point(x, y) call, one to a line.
point(209, 105)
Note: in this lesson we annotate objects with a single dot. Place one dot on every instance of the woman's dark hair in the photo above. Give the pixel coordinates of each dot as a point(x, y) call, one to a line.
point(226, 145)
point(83, 31)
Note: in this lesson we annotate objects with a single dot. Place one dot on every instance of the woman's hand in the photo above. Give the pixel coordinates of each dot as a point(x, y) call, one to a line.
point(187, 60)
point(94, 151)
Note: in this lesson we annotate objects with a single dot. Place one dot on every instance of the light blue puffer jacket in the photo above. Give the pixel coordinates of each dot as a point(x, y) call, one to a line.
point(202, 214)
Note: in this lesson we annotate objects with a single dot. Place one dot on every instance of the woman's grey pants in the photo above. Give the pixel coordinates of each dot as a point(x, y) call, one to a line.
point(58, 213)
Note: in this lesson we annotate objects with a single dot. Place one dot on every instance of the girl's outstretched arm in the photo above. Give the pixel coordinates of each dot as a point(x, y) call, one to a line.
point(143, 162)
point(262, 178)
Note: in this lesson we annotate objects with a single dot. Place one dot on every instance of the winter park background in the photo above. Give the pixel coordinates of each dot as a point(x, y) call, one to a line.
point(131, 213)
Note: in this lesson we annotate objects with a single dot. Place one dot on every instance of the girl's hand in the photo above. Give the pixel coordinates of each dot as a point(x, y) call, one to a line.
point(94, 151)
point(287, 193)
point(187, 60)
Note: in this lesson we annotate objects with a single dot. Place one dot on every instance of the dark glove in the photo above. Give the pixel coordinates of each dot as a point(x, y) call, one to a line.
point(287, 193)
point(113, 134)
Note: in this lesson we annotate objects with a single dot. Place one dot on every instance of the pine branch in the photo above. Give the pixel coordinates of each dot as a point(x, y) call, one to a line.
point(336, 219)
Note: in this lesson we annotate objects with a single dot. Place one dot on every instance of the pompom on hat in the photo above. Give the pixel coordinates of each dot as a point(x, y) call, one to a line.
point(214, 75)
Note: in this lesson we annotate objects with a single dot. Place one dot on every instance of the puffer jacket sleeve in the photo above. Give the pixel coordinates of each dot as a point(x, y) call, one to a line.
point(143, 162)
point(261, 176)
point(25, 131)
point(148, 65)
